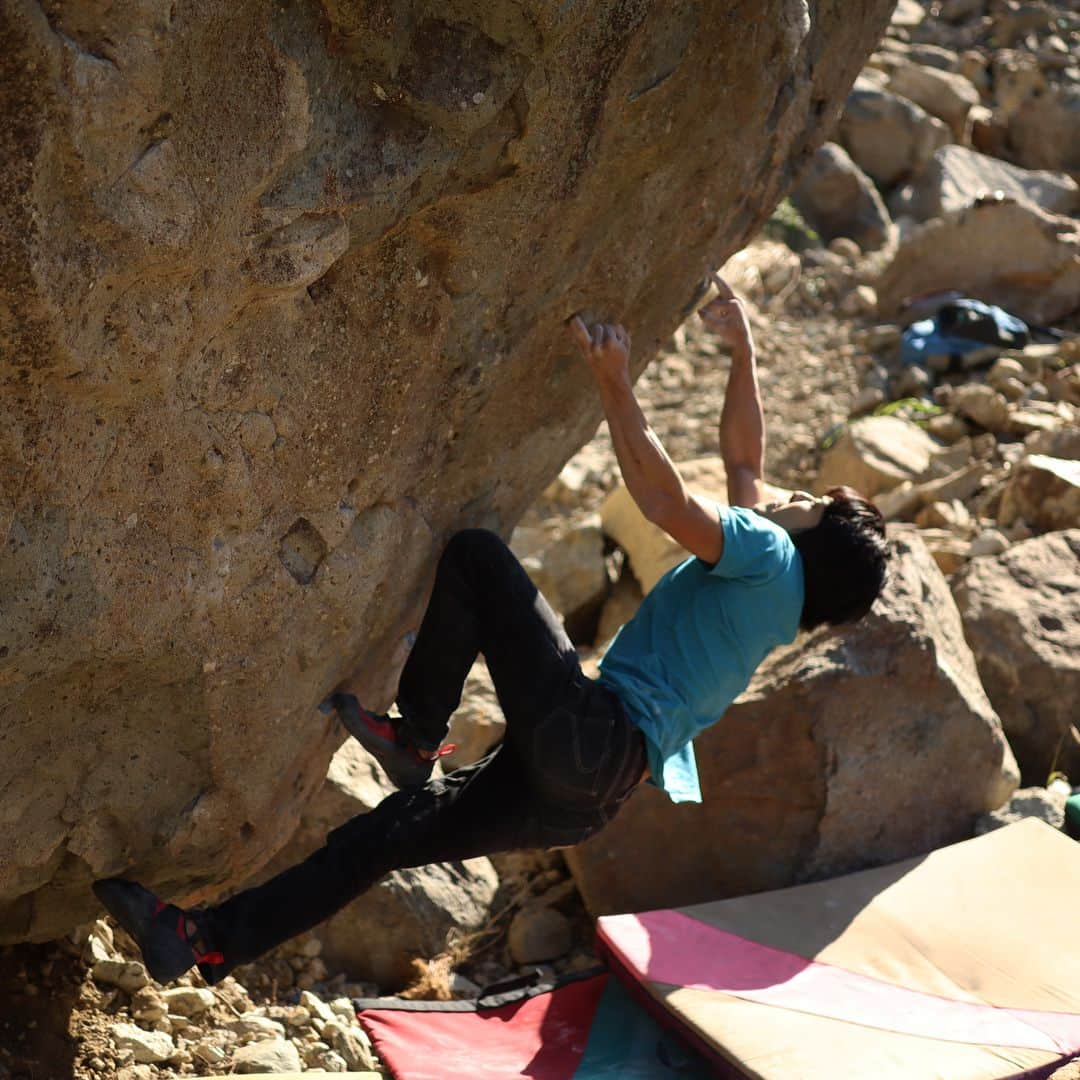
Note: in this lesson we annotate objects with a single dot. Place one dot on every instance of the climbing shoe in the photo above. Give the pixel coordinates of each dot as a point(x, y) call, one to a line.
point(385, 739)
point(170, 939)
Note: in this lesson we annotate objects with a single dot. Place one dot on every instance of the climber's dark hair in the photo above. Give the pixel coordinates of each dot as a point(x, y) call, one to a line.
point(844, 558)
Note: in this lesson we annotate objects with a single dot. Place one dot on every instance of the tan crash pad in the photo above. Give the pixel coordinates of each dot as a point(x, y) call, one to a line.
point(964, 963)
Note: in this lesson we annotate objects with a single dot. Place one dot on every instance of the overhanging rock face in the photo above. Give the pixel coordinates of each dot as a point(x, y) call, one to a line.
point(281, 295)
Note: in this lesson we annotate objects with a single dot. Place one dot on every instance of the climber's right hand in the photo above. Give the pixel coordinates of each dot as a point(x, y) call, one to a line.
point(605, 347)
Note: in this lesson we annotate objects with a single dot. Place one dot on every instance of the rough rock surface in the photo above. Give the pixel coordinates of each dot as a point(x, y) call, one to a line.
point(845, 752)
point(1021, 613)
point(887, 136)
point(1004, 253)
point(1046, 804)
point(944, 94)
point(410, 912)
point(956, 176)
point(281, 307)
point(838, 199)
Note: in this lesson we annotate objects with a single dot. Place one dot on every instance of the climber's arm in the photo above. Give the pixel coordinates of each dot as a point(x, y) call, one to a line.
point(652, 479)
point(742, 420)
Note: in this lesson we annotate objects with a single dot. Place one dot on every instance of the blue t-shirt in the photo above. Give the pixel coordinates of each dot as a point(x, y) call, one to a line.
point(697, 639)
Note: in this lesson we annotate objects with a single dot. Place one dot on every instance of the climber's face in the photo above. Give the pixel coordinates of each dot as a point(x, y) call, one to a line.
point(800, 512)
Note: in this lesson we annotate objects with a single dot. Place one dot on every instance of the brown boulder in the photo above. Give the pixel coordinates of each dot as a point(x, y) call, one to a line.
point(1021, 612)
point(281, 301)
point(1005, 253)
point(887, 136)
point(836, 198)
point(875, 454)
point(846, 751)
point(945, 94)
point(956, 176)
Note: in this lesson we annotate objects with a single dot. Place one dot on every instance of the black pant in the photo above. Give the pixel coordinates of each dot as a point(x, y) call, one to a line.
point(569, 759)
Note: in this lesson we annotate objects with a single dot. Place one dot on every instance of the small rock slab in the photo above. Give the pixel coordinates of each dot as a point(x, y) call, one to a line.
point(148, 1047)
point(274, 1056)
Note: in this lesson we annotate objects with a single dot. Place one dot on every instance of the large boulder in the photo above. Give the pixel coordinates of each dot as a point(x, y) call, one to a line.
point(282, 291)
point(1021, 613)
point(409, 913)
point(945, 94)
point(887, 136)
point(836, 198)
point(1006, 253)
point(956, 176)
point(846, 751)
point(1044, 131)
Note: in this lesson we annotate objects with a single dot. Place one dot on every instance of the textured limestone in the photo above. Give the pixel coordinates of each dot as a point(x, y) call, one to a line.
point(281, 292)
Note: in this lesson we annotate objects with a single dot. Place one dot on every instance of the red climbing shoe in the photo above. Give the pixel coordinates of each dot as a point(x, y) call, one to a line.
point(383, 738)
point(170, 939)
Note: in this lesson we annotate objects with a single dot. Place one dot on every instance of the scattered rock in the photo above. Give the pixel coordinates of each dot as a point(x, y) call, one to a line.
point(837, 199)
point(1021, 613)
point(267, 1056)
point(253, 1025)
point(408, 914)
point(1005, 253)
point(1046, 804)
point(875, 454)
point(890, 138)
point(790, 769)
point(127, 975)
point(188, 1000)
point(989, 542)
point(1044, 492)
point(1044, 131)
point(955, 177)
point(945, 94)
point(538, 934)
point(948, 550)
point(982, 404)
point(351, 1042)
point(148, 1047)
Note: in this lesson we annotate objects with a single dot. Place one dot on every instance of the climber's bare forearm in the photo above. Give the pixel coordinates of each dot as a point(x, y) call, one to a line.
point(742, 420)
point(651, 478)
point(742, 430)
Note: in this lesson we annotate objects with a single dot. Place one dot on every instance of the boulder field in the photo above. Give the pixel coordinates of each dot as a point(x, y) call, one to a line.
point(281, 296)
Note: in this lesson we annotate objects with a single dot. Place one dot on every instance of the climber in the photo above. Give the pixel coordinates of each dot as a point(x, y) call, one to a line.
point(575, 748)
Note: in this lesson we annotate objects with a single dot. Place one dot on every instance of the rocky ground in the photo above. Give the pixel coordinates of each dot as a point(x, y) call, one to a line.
point(978, 460)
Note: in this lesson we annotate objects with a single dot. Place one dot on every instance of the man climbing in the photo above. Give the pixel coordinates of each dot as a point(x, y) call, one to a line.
point(575, 748)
